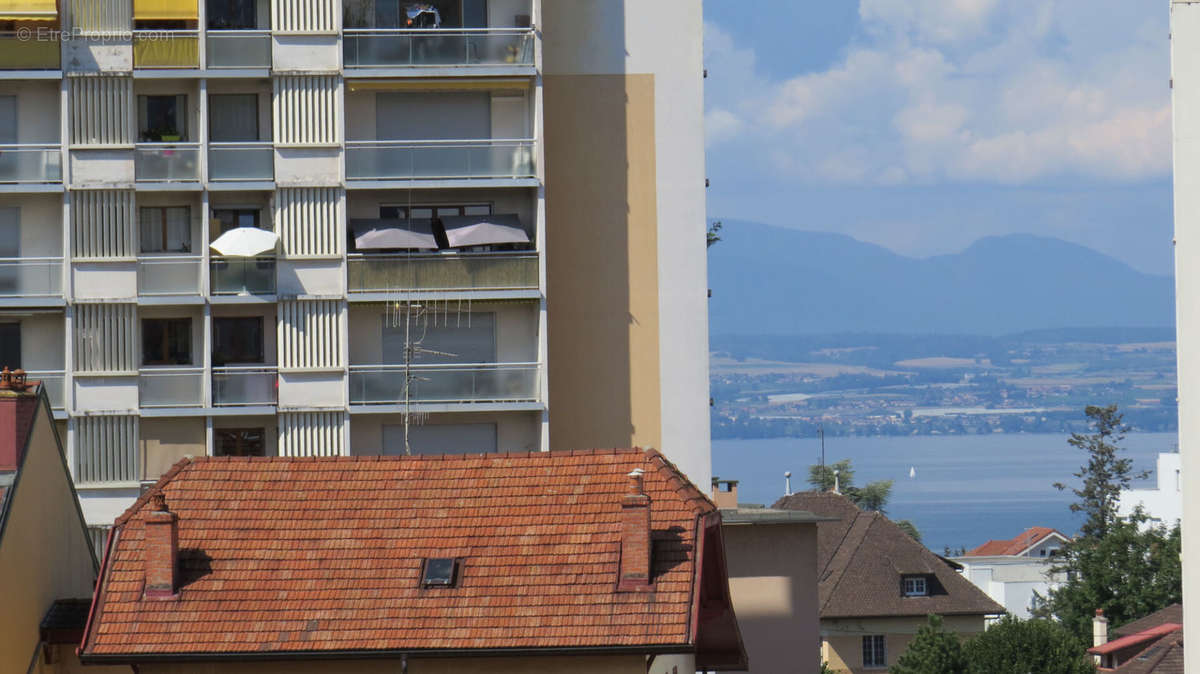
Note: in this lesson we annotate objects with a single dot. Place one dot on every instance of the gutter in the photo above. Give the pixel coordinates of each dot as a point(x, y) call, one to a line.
point(400, 654)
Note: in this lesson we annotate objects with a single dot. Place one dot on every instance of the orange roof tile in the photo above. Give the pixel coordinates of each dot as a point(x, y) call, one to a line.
point(323, 554)
point(1027, 539)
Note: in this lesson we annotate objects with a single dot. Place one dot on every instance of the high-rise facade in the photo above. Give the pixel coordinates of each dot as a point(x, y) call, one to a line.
point(331, 227)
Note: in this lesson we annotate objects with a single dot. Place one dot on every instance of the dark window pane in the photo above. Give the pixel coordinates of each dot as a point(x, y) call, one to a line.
point(166, 341)
point(10, 345)
point(240, 442)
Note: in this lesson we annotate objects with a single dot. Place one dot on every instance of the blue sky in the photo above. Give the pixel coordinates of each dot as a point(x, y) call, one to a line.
point(923, 125)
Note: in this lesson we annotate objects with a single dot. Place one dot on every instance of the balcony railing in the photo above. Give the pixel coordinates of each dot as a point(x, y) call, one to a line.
point(166, 49)
point(30, 163)
point(439, 159)
point(452, 271)
point(376, 48)
point(241, 161)
point(30, 277)
point(166, 162)
point(169, 275)
point(171, 387)
point(31, 49)
point(244, 386)
point(473, 383)
point(238, 48)
point(242, 276)
point(53, 382)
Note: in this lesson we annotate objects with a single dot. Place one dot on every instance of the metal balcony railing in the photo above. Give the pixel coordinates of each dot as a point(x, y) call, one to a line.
point(241, 161)
point(166, 162)
point(237, 48)
point(166, 49)
point(242, 386)
point(169, 275)
point(171, 387)
point(30, 49)
point(369, 273)
point(439, 159)
point(27, 163)
point(465, 383)
point(382, 48)
point(30, 277)
point(242, 276)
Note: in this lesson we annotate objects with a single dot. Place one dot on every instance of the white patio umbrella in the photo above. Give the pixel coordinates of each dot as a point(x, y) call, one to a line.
point(481, 230)
point(245, 242)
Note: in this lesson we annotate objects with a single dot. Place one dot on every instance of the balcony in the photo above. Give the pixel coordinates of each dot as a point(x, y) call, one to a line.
point(457, 271)
point(30, 277)
point(24, 164)
point(242, 276)
point(439, 159)
point(166, 49)
point(376, 48)
point(53, 381)
point(474, 383)
point(169, 275)
point(171, 387)
point(228, 49)
point(244, 386)
point(166, 162)
point(241, 162)
point(30, 50)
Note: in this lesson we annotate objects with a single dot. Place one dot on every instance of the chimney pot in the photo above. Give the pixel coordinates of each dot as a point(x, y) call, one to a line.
point(161, 550)
point(634, 571)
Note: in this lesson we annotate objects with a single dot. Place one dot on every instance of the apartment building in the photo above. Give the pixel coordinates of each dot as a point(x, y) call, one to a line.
point(335, 227)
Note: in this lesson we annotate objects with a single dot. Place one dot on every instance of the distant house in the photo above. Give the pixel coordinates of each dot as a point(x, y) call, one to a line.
point(1011, 571)
point(877, 586)
point(1163, 504)
point(597, 561)
point(1150, 645)
point(47, 568)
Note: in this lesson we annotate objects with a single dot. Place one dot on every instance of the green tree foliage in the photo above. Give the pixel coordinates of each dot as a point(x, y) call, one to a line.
point(1115, 563)
point(714, 229)
point(874, 496)
point(910, 529)
point(932, 651)
point(1014, 646)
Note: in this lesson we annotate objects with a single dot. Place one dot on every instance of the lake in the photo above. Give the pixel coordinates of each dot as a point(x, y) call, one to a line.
point(967, 488)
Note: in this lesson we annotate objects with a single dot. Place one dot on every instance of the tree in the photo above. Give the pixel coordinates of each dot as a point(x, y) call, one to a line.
point(874, 496)
point(910, 529)
point(1104, 475)
point(1014, 646)
point(932, 651)
point(713, 232)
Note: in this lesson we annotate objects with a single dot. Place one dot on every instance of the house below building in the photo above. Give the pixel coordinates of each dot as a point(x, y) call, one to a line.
point(1163, 505)
point(1017, 571)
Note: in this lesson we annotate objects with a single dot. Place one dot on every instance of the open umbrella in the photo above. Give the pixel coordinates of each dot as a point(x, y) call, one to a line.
point(392, 233)
point(245, 242)
point(481, 230)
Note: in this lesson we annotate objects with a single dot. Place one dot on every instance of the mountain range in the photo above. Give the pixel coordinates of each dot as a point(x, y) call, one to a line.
point(783, 281)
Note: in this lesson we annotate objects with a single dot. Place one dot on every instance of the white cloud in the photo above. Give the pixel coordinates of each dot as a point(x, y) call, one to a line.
point(937, 91)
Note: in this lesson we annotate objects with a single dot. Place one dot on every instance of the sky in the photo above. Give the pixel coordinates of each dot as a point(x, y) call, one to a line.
point(924, 125)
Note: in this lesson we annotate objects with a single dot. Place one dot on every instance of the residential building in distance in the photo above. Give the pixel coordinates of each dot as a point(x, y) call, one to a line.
point(1016, 572)
point(877, 586)
point(772, 560)
point(350, 227)
point(1163, 505)
point(1149, 645)
point(587, 561)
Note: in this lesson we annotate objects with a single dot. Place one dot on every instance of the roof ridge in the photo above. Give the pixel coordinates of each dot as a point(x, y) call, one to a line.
point(679, 482)
point(162, 482)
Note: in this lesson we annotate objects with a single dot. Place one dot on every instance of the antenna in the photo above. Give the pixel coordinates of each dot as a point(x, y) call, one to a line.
point(821, 434)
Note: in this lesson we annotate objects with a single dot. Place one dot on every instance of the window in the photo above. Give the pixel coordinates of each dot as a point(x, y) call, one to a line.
point(444, 338)
point(240, 441)
point(428, 212)
point(165, 229)
point(8, 119)
point(166, 341)
point(10, 345)
point(439, 572)
point(231, 15)
point(162, 119)
point(233, 117)
point(874, 650)
point(229, 218)
point(237, 340)
point(915, 586)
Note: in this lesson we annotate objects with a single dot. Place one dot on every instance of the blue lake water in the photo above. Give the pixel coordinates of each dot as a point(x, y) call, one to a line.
point(967, 489)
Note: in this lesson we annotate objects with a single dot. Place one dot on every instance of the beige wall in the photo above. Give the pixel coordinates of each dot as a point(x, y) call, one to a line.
point(631, 664)
point(773, 584)
point(516, 330)
point(842, 645)
point(42, 342)
point(509, 110)
point(37, 110)
point(165, 441)
point(63, 660)
point(515, 431)
point(602, 261)
point(40, 222)
point(44, 551)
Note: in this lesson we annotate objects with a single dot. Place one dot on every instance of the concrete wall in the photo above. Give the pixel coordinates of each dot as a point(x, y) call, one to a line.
point(842, 639)
point(516, 331)
point(40, 219)
point(44, 550)
point(773, 584)
point(165, 441)
point(627, 664)
point(509, 110)
point(42, 342)
point(37, 110)
point(1164, 504)
point(515, 431)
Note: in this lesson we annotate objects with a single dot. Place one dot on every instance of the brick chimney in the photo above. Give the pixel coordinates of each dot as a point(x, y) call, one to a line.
point(18, 407)
point(161, 550)
point(724, 493)
point(634, 574)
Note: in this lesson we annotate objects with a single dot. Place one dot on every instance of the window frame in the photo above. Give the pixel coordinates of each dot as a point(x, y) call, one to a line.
point(164, 224)
point(874, 651)
point(167, 341)
point(146, 134)
point(238, 436)
point(915, 580)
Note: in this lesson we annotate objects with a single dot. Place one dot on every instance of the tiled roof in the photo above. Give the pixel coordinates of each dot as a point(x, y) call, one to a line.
point(323, 554)
point(861, 561)
point(1164, 656)
point(1015, 546)
point(1124, 642)
point(1170, 614)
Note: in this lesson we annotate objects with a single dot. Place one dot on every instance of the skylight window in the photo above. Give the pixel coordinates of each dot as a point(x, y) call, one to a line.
point(439, 572)
point(916, 586)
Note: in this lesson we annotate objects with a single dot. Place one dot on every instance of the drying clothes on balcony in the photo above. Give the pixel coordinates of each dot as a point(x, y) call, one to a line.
point(483, 230)
point(245, 242)
point(380, 233)
point(422, 15)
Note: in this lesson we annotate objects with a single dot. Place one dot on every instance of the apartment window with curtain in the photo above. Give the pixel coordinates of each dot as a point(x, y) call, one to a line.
point(166, 341)
point(233, 118)
point(165, 229)
point(162, 118)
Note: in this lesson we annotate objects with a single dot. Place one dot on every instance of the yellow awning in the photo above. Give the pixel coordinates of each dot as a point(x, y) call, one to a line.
point(165, 10)
point(28, 10)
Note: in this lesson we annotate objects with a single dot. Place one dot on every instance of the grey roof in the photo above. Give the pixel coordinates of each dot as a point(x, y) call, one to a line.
point(769, 516)
point(1170, 614)
point(862, 558)
point(1164, 656)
